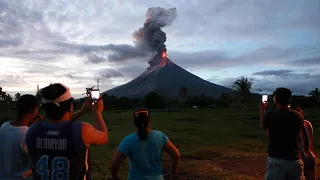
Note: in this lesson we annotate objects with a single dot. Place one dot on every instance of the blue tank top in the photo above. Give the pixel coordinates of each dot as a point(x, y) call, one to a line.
point(57, 151)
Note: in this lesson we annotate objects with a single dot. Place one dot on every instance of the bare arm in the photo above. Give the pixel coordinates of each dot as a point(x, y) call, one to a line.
point(262, 123)
point(301, 116)
point(99, 134)
point(75, 116)
point(263, 106)
point(117, 161)
point(84, 109)
point(27, 174)
point(175, 155)
point(94, 136)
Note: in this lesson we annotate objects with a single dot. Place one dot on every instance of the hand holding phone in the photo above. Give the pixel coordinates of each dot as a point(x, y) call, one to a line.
point(264, 98)
point(95, 95)
point(264, 102)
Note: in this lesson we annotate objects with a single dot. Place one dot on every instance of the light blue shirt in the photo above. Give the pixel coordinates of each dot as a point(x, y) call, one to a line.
point(14, 158)
point(145, 157)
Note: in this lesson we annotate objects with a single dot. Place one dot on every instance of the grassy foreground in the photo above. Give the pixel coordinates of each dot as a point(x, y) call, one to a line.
point(209, 140)
point(201, 136)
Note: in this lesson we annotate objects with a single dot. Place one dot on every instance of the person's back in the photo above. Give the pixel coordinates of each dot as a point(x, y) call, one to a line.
point(61, 144)
point(144, 149)
point(284, 129)
point(14, 159)
point(57, 146)
point(145, 156)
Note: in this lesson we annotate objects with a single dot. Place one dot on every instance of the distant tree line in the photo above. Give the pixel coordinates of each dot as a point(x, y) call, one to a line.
point(240, 97)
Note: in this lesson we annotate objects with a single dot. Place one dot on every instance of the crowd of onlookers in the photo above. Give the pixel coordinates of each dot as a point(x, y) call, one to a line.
point(56, 146)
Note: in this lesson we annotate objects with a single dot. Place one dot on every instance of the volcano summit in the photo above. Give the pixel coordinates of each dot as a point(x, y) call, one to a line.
point(162, 76)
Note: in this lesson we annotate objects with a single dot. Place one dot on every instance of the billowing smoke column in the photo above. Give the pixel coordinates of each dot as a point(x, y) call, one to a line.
point(150, 37)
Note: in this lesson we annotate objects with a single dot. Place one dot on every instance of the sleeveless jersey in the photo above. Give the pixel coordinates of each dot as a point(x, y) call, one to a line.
point(57, 151)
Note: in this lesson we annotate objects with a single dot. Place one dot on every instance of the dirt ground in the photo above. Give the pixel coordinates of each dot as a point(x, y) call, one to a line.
point(236, 167)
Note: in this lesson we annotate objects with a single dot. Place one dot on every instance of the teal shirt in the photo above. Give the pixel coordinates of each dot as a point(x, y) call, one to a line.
point(145, 157)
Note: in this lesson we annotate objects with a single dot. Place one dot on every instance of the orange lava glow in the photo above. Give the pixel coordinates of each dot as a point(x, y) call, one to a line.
point(164, 55)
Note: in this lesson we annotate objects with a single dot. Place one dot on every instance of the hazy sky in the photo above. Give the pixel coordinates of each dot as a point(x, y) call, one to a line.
point(274, 42)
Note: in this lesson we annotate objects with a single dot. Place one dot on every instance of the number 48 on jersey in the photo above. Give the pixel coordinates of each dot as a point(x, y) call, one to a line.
point(59, 168)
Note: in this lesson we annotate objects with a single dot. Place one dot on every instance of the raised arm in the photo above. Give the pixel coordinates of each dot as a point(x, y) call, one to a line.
point(97, 135)
point(86, 107)
point(263, 106)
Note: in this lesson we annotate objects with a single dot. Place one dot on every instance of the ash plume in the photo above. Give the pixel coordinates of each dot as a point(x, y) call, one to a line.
point(150, 37)
point(149, 40)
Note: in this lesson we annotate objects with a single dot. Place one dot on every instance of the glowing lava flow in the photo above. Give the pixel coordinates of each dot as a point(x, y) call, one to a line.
point(164, 58)
point(164, 55)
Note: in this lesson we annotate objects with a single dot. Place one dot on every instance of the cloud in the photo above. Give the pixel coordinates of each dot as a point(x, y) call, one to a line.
point(292, 56)
point(307, 62)
point(269, 80)
point(75, 42)
point(273, 72)
point(110, 73)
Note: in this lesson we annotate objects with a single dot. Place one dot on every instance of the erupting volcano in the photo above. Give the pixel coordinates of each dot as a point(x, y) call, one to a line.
point(162, 75)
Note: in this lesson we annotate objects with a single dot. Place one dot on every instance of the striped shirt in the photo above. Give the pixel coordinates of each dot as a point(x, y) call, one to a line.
point(306, 136)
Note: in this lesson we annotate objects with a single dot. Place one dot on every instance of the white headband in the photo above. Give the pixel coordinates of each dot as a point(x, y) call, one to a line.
point(63, 97)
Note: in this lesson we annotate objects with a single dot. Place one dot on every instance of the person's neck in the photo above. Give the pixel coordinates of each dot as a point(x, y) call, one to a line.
point(64, 118)
point(19, 122)
point(282, 106)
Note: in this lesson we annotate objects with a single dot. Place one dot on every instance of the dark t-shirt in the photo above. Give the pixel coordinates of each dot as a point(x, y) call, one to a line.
point(57, 151)
point(284, 128)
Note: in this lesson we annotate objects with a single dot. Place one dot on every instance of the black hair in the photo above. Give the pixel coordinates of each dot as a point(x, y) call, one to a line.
point(26, 104)
point(283, 96)
point(51, 92)
point(141, 120)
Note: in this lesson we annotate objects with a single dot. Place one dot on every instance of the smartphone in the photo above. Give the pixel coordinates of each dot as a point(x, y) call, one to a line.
point(264, 98)
point(95, 95)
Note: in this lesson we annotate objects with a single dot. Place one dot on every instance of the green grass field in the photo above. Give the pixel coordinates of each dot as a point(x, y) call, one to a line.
point(206, 138)
point(201, 136)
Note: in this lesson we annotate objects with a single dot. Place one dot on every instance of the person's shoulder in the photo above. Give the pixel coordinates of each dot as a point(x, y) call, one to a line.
point(270, 113)
point(4, 125)
point(158, 132)
point(307, 123)
point(131, 136)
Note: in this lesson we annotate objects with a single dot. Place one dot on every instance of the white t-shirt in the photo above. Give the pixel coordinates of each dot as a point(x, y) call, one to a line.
point(14, 158)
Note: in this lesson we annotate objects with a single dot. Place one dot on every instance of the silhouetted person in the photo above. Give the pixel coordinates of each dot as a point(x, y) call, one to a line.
point(59, 146)
point(284, 124)
point(144, 149)
point(14, 158)
point(308, 156)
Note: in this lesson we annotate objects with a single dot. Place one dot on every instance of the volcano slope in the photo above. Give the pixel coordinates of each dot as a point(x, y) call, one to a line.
point(166, 79)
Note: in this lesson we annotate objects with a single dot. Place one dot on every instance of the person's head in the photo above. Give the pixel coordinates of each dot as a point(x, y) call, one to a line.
point(27, 109)
point(141, 119)
point(57, 102)
point(282, 96)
